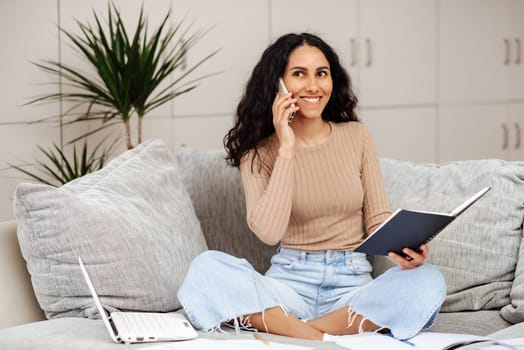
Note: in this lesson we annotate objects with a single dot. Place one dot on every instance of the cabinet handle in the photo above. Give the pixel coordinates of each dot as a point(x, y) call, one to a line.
point(504, 136)
point(353, 48)
point(517, 132)
point(507, 50)
point(518, 60)
point(369, 61)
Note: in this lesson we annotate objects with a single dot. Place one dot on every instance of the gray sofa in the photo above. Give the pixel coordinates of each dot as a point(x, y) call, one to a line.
point(481, 254)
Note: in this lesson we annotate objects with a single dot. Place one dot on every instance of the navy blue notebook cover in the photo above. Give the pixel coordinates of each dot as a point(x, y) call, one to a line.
point(411, 228)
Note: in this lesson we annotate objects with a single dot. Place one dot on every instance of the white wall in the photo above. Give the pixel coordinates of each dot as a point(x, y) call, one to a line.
point(28, 32)
point(418, 50)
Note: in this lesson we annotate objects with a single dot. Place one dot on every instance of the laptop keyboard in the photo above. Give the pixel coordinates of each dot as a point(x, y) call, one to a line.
point(148, 324)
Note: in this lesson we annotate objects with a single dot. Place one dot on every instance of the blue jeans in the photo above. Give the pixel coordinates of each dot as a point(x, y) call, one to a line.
point(219, 287)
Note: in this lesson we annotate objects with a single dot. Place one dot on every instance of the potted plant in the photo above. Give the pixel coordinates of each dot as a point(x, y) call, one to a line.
point(127, 76)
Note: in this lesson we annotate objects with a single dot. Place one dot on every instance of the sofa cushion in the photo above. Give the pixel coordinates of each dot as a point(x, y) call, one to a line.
point(514, 311)
point(63, 333)
point(477, 253)
point(133, 224)
point(482, 322)
point(218, 197)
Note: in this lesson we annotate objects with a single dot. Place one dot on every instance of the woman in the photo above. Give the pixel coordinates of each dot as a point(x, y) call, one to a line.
point(312, 184)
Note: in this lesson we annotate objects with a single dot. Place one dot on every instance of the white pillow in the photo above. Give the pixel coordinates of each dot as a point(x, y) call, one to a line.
point(132, 222)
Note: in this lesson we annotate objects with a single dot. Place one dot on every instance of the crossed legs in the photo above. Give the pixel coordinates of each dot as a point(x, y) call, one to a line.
point(337, 322)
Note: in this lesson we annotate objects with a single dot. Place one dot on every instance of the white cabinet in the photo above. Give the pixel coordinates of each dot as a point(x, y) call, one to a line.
point(481, 48)
point(482, 131)
point(397, 52)
point(472, 132)
point(28, 34)
point(388, 46)
point(481, 79)
point(515, 132)
point(474, 50)
point(336, 24)
point(389, 49)
point(517, 54)
point(240, 31)
point(403, 133)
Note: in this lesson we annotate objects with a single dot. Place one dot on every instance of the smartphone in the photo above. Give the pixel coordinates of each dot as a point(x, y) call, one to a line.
point(282, 90)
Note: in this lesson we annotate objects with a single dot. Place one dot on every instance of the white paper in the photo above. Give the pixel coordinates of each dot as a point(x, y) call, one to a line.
point(424, 340)
point(439, 341)
point(227, 344)
point(367, 341)
point(507, 344)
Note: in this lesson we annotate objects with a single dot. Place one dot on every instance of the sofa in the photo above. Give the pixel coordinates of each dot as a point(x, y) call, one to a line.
point(140, 221)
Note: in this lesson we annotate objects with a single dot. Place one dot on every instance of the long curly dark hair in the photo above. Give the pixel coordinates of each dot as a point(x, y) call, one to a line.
point(254, 118)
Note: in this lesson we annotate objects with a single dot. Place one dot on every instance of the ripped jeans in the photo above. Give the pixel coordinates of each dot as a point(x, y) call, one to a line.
point(219, 287)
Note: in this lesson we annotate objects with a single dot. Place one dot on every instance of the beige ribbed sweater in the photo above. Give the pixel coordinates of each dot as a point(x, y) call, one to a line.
point(321, 199)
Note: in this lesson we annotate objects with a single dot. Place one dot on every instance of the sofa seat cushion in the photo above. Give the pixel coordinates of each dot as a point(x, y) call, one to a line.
point(132, 223)
point(479, 252)
point(63, 333)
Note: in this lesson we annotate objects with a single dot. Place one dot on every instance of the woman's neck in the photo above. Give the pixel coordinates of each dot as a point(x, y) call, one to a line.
point(311, 132)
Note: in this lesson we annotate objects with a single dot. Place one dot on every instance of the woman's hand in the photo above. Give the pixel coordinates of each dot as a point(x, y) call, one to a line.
point(282, 110)
point(412, 259)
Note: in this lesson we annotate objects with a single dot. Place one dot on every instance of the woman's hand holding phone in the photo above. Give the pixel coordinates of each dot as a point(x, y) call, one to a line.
point(284, 109)
point(282, 91)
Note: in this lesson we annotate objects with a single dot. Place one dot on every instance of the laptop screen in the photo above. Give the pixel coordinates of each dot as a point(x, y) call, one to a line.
point(97, 301)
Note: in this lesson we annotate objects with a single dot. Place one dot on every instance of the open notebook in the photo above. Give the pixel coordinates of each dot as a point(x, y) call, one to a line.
point(140, 327)
point(411, 228)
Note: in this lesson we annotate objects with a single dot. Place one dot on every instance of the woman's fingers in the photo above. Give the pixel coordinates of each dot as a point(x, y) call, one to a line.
point(411, 258)
point(281, 112)
point(283, 107)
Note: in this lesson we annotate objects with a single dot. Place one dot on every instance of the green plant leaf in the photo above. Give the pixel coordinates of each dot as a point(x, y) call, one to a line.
point(57, 169)
point(125, 73)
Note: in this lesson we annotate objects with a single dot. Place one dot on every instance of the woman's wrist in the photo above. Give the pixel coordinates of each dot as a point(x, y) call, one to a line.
point(286, 152)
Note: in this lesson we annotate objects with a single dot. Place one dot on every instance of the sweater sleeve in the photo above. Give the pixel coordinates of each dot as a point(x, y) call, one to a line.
point(268, 197)
point(375, 208)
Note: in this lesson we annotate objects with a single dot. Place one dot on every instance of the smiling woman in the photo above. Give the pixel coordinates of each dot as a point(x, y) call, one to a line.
point(314, 187)
point(255, 112)
point(308, 78)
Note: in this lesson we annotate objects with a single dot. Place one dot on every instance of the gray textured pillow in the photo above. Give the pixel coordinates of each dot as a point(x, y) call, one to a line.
point(132, 222)
point(477, 253)
point(218, 197)
point(514, 311)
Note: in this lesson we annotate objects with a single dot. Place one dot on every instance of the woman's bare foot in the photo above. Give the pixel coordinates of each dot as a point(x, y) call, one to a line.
point(275, 320)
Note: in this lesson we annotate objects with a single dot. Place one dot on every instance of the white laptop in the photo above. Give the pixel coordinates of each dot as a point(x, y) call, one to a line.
point(141, 327)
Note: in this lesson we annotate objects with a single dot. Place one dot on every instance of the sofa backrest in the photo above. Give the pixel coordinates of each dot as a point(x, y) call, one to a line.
point(478, 253)
point(218, 198)
point(481, 254)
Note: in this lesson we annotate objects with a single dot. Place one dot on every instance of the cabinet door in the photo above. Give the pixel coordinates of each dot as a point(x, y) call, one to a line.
point(403, 133)
point(516, 132)
point(473, 132)
point(28, 34)
point(239, 29)
point(474, 50)
point(336, 23)
point(398, 52)
point(517, 53)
